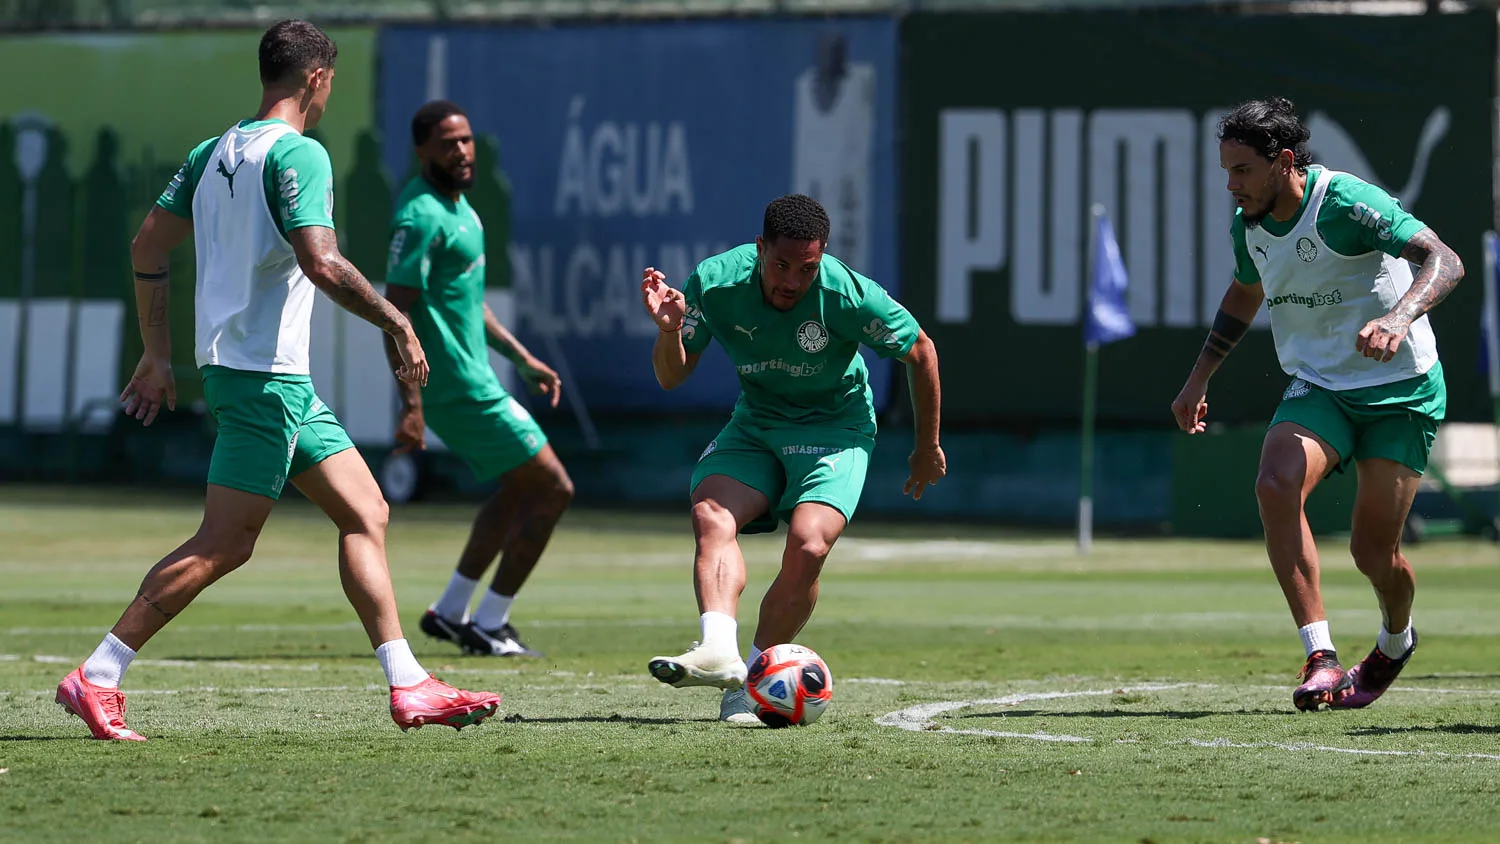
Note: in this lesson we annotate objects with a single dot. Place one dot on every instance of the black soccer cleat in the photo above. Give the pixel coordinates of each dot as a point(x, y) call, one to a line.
point(502, 642)
point(441, 628)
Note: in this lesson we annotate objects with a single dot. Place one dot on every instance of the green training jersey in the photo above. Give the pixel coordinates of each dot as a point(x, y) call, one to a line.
point(1329, 271)
point(1355, 218)
point(298, 180)
point(437, 247)
point(800, 366)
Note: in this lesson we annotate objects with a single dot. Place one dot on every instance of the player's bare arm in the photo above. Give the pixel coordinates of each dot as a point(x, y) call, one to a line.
point(411, 428)
point(539, 377)
point(1236, 312)
point(667, 306)
point(152, 383)
point(1438, 272)
point(318, 254)
point(927, 462)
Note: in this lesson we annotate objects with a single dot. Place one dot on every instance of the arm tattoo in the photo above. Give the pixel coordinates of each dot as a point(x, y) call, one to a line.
point(1225, 335)
point(344, 284)
point(158, 313)
point(1439, 271)
point(159, 285)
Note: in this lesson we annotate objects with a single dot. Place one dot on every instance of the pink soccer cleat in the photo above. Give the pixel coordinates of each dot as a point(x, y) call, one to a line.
point(1321, 675)
point(434, 702)
point(102, 709)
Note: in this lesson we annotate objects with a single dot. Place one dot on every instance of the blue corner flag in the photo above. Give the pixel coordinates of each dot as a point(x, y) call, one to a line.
point(1108, 318)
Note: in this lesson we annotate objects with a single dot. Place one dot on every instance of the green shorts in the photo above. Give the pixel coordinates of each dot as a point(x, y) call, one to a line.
point(271, 427)
point(1395, 421)
point(790, 465)
point(492, 436)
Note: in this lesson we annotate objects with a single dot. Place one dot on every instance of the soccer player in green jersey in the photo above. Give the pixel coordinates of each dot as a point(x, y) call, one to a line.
point(258, 201)
point(1327, 253)
point(436, 275)
point(791, 318)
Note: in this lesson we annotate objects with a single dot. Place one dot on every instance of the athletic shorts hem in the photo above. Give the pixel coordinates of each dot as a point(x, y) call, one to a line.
point(243, 487)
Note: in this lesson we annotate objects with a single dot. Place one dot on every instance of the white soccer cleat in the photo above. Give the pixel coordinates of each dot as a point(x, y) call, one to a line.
point(701, 666)
point(735, 708)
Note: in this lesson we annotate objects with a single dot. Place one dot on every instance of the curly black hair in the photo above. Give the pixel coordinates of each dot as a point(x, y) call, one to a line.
point(797, 217)
point(294, 46)
point(1268, 126)
point(429, 116)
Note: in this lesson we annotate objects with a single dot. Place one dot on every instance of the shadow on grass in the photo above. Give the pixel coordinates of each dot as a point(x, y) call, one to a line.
point(1452, 729)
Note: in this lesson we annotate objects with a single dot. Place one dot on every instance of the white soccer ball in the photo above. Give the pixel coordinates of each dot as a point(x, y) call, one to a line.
point(789, 685)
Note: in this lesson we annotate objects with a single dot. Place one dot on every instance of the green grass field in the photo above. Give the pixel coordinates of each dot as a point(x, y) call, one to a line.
point(988, 686)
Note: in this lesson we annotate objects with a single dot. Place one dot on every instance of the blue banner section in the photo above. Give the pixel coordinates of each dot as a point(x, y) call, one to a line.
point(659, 144)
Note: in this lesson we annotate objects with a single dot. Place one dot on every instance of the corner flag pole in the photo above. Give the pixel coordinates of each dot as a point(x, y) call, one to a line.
point(1086, 461)
point(1090, 394)
point(1491, 323)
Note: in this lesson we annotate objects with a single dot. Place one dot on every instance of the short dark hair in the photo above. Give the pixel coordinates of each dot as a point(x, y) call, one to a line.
point(1268, 126)
point(797, 217)
point(294, 46)
point(429, 116)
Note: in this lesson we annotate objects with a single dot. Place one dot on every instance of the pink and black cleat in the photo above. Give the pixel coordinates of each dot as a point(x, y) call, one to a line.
point(1367, 681)
point(1320, 676)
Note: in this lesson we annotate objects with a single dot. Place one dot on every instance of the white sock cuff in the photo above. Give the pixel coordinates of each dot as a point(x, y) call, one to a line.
point(1315, 637)
point(106, 665)
point(400, 664)
point(453, 605)
point(493, 610)
point(720, 630)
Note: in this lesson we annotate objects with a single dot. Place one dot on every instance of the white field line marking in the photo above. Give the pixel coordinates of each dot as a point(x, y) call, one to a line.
point(228, 665)
point(919, 719)
point(686, 624)
point(291, 690)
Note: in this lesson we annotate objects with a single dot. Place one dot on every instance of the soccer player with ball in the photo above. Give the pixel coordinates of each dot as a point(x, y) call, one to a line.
point(797, 446)
point(1324, 250)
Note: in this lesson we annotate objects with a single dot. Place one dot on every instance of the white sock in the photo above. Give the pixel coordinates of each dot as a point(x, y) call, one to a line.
point(493, 610)
point(401, 667)
point(454, 603)
point(750, 657)
point(1315, 637)
point(106, 666)
point(720, 631)
point(1394, 645)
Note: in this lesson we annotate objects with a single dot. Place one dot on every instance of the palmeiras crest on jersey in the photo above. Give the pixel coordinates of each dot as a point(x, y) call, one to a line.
point(812, 336)
point(1296, 390)
point(1307, 250)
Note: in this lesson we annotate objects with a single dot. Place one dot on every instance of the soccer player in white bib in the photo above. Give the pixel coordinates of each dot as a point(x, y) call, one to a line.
point(1327, 253)
point(258, 202)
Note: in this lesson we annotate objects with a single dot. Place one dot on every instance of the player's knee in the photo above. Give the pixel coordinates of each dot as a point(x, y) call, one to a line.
point(228, 551)
point(712, 522)
point(1373, 557)
point(559, 493)
point(1277, 489)
point(807, 554)
point(370, 517)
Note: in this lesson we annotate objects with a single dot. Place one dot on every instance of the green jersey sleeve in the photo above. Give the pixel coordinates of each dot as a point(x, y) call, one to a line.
point(1244, 269)
point(299, 178)
point(1358, 217)
point(410, 260)
point(878, 321)
point(178, 197)
point(695, 332)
